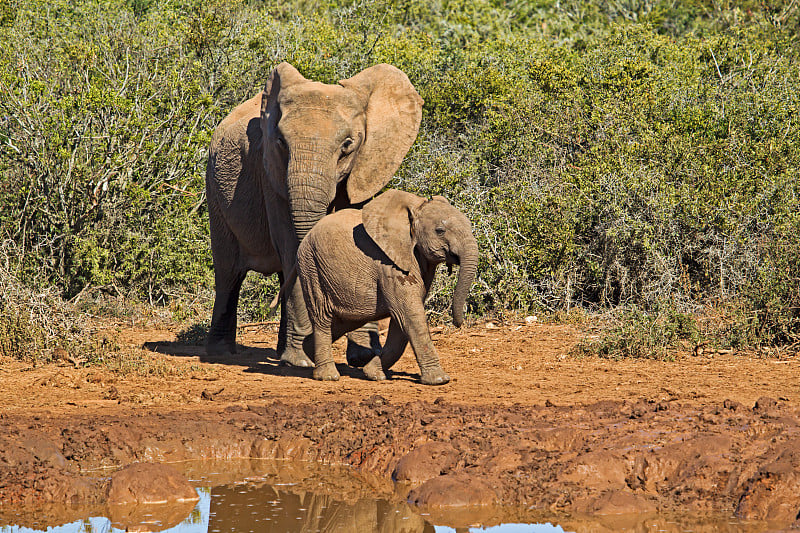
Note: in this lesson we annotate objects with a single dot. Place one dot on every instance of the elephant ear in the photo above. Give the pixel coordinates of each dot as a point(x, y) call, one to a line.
point(388, 219)
point(394, 111)
point(281, 77)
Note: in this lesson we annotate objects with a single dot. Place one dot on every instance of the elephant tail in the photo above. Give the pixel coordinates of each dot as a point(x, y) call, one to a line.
point(290, 278)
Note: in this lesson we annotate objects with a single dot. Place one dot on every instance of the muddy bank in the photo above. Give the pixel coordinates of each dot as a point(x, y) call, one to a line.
point(603, 459)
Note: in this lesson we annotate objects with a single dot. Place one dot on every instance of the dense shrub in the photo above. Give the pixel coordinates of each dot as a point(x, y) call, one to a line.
point(36, 324)
point(630, 155)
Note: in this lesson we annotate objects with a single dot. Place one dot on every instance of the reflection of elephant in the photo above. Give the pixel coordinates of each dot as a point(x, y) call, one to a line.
point(362, 265)
point(281, 161)
point(300, 511)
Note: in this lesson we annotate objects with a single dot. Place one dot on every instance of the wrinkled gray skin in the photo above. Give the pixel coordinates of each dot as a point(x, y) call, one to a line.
point(361, 265)
point(280, 162)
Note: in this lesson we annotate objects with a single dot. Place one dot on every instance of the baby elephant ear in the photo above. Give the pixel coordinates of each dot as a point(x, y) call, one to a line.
point(387, 220)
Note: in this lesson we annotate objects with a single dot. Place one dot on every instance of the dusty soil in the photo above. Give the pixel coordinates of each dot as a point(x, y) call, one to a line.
point(522, 423)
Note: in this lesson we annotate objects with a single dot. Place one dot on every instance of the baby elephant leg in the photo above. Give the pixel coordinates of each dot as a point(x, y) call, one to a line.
point(416, 327)
point(395, 345)
point(372, 364)
point(325, 368)
point(373, 369)
point(363, 344)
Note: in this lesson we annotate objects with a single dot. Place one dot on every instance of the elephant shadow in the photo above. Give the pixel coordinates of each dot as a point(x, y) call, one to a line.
point(256, 360)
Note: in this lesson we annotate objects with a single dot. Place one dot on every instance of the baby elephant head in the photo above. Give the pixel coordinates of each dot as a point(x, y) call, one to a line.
point(400, 223)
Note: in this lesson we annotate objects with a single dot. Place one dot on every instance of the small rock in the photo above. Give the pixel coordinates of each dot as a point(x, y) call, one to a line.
point(60, 354)
point(701, 348)
point(530, 319)
point(732, 405)
point(491, 325)
point(374, 401)
point(208, 395)
point(764, 403)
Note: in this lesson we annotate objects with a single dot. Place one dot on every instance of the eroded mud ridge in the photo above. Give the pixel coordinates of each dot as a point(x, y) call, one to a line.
point(610, 457)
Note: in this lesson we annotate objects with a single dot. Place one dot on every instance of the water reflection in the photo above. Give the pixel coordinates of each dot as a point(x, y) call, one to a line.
point(152, 518)
point(292, 508)
point(267, 508)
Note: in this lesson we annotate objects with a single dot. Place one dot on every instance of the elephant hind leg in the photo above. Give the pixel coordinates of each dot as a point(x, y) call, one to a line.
point(222, 332)
point(372, 366)
point(282, 331)
point(363, 345)
point(395, 345)
point(325, 368)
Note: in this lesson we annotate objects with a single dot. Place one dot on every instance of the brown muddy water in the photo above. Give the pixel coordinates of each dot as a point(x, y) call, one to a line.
point(259, 496)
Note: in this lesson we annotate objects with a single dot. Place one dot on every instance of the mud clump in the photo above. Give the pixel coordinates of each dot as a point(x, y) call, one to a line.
point(614, 502)
point(425, 462)
point(598, 470)
point(149, 483)
point(137, 495)
point(452, 491)
point(773, 493)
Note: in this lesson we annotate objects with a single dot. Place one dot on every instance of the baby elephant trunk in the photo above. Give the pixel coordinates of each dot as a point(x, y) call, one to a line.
point(468, 261)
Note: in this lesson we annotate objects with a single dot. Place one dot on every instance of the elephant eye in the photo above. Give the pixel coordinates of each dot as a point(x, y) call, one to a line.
point(348, 145)
point(281, 141)
point(440, 231)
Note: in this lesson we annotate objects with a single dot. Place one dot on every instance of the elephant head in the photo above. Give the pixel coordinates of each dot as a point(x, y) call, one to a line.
point(401, 222)
point(318, 136)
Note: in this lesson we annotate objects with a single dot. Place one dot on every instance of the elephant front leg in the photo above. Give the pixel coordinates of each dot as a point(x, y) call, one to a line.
point(325, 369)
point(297, 328)
point(363, 345)
point(415, 326)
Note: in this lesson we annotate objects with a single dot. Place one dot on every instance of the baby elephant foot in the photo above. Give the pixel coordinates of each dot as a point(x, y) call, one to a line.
point(296, 357)
point(435, 377)
point(326, 372)
point(374, 370)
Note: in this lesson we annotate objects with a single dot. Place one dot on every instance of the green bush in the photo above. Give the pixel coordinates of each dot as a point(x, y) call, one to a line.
point(36, 324)
point(656, 335)
point(610, 155)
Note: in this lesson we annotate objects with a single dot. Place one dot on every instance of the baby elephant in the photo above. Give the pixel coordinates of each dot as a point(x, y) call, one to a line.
point(356, 266)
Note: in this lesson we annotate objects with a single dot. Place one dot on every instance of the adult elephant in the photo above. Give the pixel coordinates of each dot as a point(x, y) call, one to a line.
point(279, 163)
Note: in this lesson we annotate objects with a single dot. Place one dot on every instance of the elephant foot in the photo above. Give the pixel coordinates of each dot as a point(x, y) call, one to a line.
point(374, 370)
point(326, 372)
point(361, 348)
point(296, 357)
point(220, 347)
point(435, 377)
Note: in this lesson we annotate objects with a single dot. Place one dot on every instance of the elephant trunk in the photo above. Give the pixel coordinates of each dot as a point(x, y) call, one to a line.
point(309, 200)
point(468, 261)
point(303, 221)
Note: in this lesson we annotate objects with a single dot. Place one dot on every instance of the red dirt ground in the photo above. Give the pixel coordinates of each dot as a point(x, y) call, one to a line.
point(522, 423)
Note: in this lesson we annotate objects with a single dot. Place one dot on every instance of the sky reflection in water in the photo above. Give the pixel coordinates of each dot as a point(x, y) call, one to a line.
point(243, 508)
